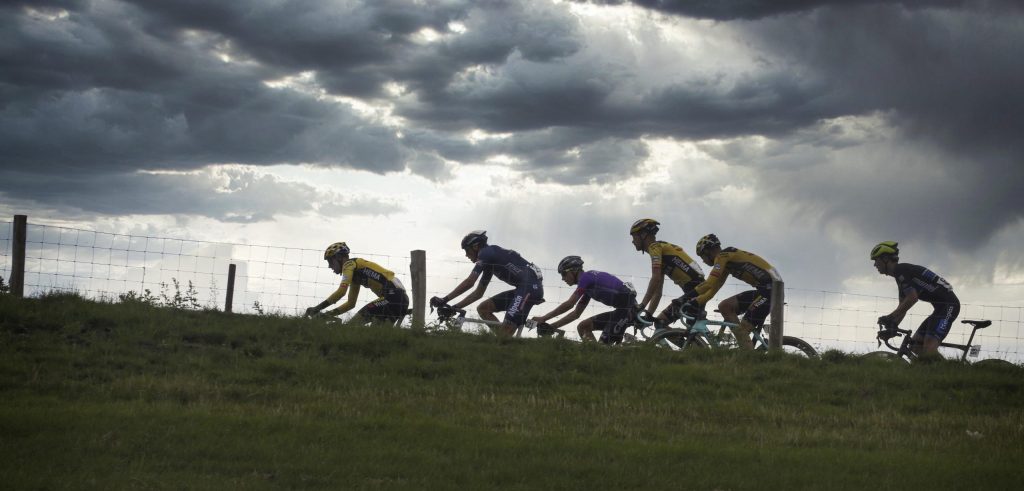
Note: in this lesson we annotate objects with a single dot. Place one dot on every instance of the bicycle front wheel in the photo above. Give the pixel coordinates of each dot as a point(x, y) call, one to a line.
point(888, 356)
point(995, 363)
point(797, 346)
point(676, 340)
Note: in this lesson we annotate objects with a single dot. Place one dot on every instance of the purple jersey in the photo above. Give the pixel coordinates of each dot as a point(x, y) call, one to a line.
point(603, 287)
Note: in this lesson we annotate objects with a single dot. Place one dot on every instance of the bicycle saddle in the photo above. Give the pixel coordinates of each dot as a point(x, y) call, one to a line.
point(977, 324)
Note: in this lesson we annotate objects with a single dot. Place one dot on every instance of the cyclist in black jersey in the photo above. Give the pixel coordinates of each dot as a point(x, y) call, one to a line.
point(509, 267)
point(917, 283)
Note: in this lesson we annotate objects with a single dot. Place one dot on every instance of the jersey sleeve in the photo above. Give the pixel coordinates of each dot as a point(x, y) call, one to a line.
point(348, 271)
point(716, 278)
point(656, 260)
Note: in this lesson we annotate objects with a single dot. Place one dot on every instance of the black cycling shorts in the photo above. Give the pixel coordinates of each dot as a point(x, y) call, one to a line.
point(756, 305)
point(389, 308)
point(613, 324)
point(517, 303)
point(939, 323)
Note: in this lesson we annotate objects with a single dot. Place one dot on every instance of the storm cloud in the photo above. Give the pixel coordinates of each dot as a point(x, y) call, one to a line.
point(844, 109)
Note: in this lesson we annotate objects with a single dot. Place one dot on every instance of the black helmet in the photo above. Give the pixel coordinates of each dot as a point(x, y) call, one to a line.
point(709, 240)
point(570, 263)
point(474, 237)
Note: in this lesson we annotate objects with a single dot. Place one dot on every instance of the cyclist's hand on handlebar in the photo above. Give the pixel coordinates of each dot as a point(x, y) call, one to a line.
point(312, 311)
point(436, 302)
point(888, 322)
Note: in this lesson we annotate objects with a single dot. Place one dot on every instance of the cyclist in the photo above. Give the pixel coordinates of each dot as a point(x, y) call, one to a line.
point(509, 267)
point(666, 260)
point(751, 268)
point(391, 303)
point(604, 288)
point(917, 283)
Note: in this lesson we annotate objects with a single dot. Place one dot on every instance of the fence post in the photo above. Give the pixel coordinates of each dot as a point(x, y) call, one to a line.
point(18, 249)
point(778, 307)
point(231, 289)
point(418, 268)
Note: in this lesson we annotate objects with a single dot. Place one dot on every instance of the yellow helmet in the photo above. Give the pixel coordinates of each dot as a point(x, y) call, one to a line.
point(336, 249)
point(884, 248)
point(644, 225)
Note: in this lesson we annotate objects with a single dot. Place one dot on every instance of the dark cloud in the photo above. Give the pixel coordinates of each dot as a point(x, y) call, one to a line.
point(231, 195)
point(102, 89)
point(726, 10)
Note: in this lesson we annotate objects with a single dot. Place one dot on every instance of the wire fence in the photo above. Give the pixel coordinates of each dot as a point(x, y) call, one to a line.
point(284, 281)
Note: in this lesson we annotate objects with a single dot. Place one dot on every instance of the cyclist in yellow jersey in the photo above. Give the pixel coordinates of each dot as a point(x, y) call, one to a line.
point(666, 260)
point(751, 268)
point(391, 303)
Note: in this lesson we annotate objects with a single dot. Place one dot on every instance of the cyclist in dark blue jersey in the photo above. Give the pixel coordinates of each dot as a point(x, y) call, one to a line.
point(917, 283)
point(604, 288)
point(508, 266)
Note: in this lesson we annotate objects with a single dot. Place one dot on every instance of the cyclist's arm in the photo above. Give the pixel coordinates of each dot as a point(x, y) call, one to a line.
point(462, 287)
point(561, 309)
point(472, 297)
point(908, 301)
point(353, 295)
point(654, 291)
point(710, 286)
point(575, 314)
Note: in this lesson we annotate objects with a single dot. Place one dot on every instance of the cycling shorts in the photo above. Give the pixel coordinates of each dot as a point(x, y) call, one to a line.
point(939, 323)
point(517, 303)
point(756, 304)
point(390, 307)
point(613, 324)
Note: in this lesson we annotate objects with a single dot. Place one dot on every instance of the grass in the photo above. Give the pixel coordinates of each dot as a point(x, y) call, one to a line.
point(120, 396)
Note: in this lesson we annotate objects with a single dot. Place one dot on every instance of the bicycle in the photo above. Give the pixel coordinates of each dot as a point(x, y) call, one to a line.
point(906, 353)
point(697, 334)
point(454, 319)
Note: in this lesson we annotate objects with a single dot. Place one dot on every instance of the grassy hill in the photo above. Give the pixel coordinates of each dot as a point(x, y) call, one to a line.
point(118, 396)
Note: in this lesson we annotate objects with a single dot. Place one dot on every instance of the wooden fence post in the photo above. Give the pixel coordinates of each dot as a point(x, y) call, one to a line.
point(418, 268)
point(231, 289)
point(778, 307)
point(18, 249)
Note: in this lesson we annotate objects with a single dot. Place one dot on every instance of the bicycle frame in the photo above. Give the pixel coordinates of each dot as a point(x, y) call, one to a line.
point(460, 319)
point(906, 351)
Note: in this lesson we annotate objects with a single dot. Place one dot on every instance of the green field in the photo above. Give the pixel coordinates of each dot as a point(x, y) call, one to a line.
point(130, 396)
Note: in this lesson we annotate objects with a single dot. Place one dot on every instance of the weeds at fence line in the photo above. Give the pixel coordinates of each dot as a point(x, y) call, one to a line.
point(187, 300)
point(3, 286)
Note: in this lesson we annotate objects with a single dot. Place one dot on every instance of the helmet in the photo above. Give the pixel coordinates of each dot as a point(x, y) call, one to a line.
point(336, 249)
point(474, 237)
point(644, 225)
point(885, 248)
point(569, 263)
point(707, 241)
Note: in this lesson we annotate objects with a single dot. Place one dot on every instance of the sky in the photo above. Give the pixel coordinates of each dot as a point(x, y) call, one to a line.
point(804, 131)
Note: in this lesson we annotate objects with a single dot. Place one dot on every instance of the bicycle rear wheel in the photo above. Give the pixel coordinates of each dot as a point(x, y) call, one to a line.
point(797, 346)
point(676, 340)
point(995, 363)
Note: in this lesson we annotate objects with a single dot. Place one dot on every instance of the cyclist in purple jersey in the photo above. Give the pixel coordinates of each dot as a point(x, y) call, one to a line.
point(604, 288)
point(509, 267)
point(917, 283)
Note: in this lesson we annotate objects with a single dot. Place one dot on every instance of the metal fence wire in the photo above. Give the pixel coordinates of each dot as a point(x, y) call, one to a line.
point(286, 280)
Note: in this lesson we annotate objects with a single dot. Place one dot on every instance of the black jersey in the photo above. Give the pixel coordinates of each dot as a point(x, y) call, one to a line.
point(507, 265)
point(930, 287)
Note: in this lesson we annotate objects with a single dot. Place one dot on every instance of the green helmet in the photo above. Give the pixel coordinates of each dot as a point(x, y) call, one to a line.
point(885, 248)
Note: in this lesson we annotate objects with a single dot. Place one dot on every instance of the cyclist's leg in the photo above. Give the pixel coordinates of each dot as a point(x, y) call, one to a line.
point(375, 311)
point(671, 313)
point(935, 328)
point(731, 307)
point(497, 303)
point(522, 300)
point(615, 327)
point(587, 326)
point(756, 312)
